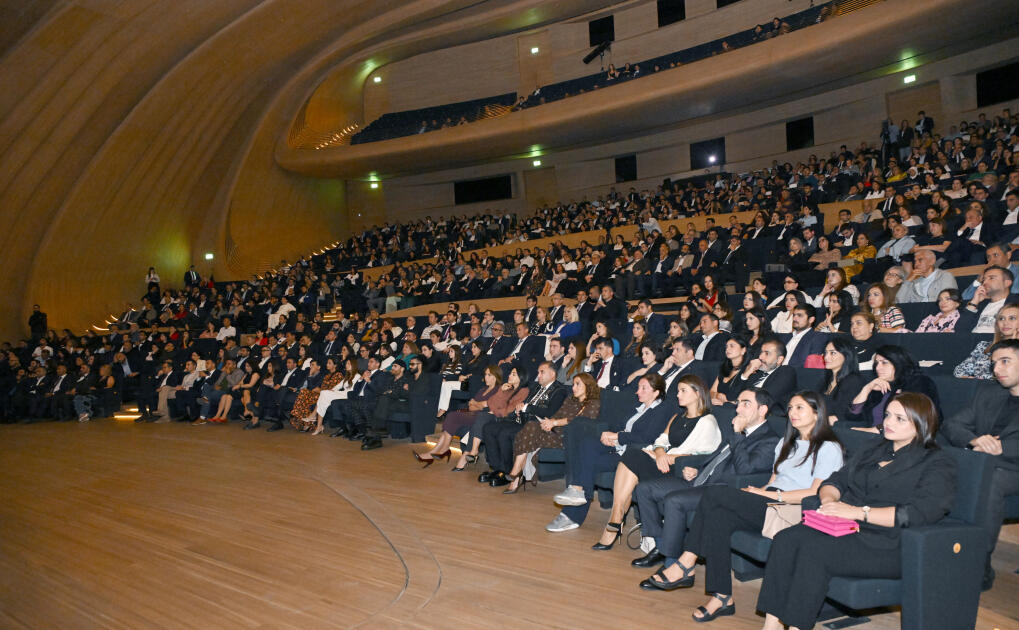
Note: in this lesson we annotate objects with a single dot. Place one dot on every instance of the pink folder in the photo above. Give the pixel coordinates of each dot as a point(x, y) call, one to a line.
point(831, 525)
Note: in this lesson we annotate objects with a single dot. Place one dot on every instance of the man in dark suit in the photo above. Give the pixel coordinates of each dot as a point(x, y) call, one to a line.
point(56, 403)
point(283, 395)
point(969, 242)
point(555, 312)
point(585, 313)
point(734, 265)
point(606, 368)
point(501, 346)
point(990, 424)
point(768, 373)
point(355, 414)
point(610, 309)
point(805, 340)
point(394, 398)
point(635, 278)
point(526, 354)
point(747, 448)
point(547, 396)
point(654, 324)
point(660, 281)
point(788, 230)
point(711, 345)
point(531, 311)
point(680, 362)
point(191, 278)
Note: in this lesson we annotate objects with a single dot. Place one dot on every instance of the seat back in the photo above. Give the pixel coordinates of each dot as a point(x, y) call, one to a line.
point(973, 486)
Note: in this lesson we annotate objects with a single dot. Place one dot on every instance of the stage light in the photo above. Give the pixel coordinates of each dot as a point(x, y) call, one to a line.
point(535, 50)
point(536, 163)
point(711, 159)
point(909, 78)
point(373, 185)
point(209, 256)
point(377, 79)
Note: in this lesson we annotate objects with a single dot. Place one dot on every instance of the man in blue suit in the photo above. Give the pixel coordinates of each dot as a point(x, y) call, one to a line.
point(654, 324)
point(805, 340)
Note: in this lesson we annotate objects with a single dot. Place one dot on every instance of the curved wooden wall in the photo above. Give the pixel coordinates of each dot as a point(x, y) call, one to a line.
point(142, 133)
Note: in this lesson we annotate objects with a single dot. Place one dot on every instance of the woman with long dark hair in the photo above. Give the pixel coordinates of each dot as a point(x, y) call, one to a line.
point(727, 387)
point(842, 379)
point(807, 456)
point(897, 371)
point(840, 311)
point(901, 480)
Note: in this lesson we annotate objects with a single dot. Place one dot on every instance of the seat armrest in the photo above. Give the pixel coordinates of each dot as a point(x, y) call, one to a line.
point(942, 567)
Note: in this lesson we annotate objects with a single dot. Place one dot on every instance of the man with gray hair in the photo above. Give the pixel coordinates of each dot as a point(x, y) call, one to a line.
point(926, 281)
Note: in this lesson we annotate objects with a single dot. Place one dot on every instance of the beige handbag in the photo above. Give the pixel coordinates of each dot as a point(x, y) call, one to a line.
point(780, 516)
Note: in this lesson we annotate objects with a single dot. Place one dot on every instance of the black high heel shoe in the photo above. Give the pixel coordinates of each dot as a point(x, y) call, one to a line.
point(443, 455)
point(520, 481)
point(611, 527)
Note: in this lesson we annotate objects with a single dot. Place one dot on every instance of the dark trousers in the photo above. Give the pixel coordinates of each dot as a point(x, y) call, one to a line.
point(388, 404)
point(61, 406)
point(665, 504)
point(38, 405)
point(592, 457)
point(498, 438)
point(576, 433)
point(148, 399)
point(1003, 483)
point(721, 511)
point(803, 560)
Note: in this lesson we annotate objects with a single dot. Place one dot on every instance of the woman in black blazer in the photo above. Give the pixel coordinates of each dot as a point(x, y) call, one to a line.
point(842, 378)
point(902, 480)
point(897, 372)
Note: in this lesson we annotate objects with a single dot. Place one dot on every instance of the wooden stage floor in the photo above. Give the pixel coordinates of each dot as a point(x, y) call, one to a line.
point(122, 525)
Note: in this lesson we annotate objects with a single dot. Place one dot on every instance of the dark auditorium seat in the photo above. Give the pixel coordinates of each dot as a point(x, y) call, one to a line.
point(419, 422)
point(942, 564)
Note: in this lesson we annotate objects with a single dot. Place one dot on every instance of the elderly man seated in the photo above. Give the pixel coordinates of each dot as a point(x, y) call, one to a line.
point(925, 281)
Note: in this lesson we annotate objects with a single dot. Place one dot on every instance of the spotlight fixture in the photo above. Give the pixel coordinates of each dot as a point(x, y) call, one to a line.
point(909, 78)
point(377, 79)
point(536, 163)
point(535, 50)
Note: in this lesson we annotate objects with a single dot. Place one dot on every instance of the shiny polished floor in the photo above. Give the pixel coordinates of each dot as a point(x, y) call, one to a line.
point(122, 525)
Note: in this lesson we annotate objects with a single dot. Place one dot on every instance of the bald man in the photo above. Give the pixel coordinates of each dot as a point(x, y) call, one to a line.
point(926, 281)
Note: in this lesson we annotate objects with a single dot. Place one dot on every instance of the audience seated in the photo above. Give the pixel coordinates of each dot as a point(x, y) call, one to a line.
point(265, 338)
point(596, 445)
point(538, 433)
point(665, 503)
point(723, 510)
point(902, 479)
point(692, 430)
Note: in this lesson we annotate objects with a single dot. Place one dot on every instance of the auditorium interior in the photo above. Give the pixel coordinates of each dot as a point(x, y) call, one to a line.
point(735, 278)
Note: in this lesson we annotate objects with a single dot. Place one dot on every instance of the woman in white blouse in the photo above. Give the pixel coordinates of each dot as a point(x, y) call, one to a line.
point(783, 322)
point(337, 392)
point(835, 281)
point(692, 431)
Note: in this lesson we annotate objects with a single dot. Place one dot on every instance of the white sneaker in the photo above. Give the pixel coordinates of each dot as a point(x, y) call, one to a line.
point(570, 496)
point(561, 523)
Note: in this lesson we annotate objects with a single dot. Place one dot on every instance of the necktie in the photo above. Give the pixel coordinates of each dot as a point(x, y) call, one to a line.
point(601, 369)
point(712, 466)
point(760, 380)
